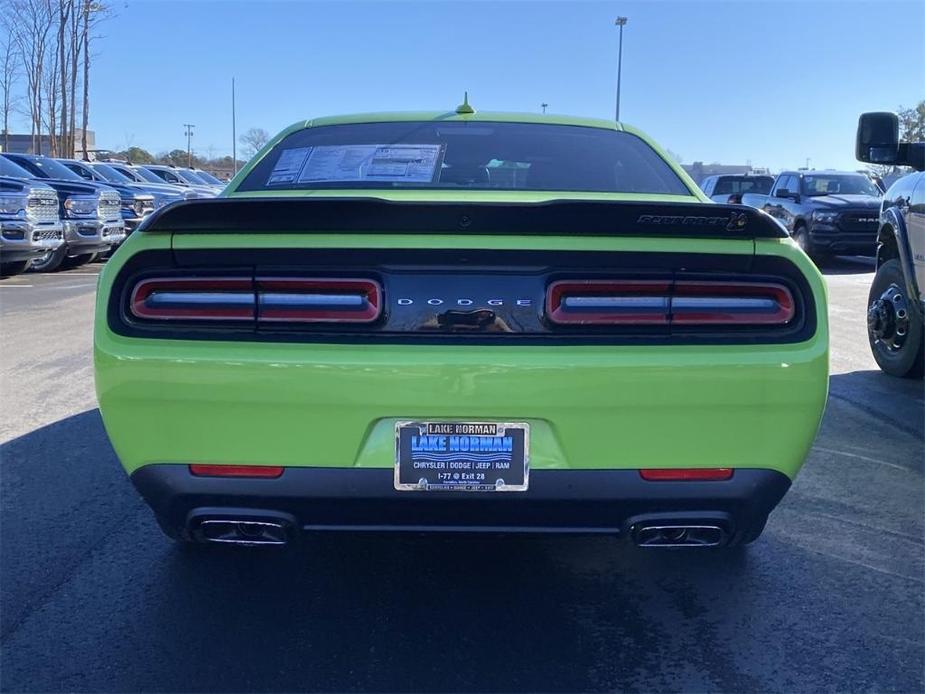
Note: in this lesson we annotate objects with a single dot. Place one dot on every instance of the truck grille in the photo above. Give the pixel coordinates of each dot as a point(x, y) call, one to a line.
point(43, 206)
point(859, 221)
point(47, 234)
point(110, 205)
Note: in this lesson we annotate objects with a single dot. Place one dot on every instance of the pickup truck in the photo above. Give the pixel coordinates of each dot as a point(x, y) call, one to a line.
point(896, 302)
point(91, 212)
point(729, 188)
point(826, 212)
point(30, 225)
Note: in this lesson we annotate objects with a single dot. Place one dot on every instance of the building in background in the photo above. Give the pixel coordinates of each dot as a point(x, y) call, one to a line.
point(22, 144)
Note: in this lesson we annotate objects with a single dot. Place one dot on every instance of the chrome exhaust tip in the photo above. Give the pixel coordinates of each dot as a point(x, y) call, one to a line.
point(242, 532)
point(665, 535)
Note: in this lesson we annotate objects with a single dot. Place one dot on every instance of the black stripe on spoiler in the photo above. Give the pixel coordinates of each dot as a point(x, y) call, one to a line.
point(377, 216)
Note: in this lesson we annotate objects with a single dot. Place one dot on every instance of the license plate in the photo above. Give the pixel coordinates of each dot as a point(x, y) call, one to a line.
point(462, 456)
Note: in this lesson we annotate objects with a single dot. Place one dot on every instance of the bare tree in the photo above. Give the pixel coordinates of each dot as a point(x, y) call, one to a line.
point(254, 140)
point(9, 78)
point(93, 12)
point(64, 39)
point(29, 27)
point(73, 61)
point(52, 95)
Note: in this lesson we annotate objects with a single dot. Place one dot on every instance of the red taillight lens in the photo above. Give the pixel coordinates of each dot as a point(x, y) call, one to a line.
point(266, 299)
point(318, 300)
point(608, 302)
point(731, 303)
point(686, 474)
point(655, 302)
point(235, 470)
point(194, 298)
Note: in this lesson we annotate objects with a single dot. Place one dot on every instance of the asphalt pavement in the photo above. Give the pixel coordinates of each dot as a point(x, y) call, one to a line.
point(95, 599)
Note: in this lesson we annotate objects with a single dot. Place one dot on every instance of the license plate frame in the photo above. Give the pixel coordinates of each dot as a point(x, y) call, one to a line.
point(443, 465)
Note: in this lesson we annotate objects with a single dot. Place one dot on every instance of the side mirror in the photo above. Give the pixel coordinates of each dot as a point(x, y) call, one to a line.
point(877, 140)
point(784, 193)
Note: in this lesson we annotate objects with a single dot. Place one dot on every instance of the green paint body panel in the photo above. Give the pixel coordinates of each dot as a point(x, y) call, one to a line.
point(334, 405)
point(590, 407)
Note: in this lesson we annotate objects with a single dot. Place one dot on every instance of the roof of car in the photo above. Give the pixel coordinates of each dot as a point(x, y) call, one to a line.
point(478, 116)
point(820, 172)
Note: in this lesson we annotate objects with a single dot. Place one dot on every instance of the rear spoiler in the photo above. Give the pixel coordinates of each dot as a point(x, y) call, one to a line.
point(368, 215)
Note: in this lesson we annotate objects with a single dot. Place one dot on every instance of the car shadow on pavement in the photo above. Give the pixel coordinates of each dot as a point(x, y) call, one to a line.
point(96, 599)
point(335, 612)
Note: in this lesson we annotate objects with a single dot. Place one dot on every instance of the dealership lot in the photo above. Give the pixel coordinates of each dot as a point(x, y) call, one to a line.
point(95, 599)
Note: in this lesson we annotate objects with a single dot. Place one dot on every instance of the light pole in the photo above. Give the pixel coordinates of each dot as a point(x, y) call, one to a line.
point(189, 150)
point(234, 134)
point(543, 106)
point(620, 22)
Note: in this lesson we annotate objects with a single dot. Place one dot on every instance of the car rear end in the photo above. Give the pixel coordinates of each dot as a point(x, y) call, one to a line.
point(469, 360)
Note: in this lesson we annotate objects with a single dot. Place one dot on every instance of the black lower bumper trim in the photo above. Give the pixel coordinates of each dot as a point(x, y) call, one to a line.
point(581, 501)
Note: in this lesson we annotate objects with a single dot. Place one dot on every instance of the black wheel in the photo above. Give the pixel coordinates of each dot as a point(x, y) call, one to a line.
point(51, 261)
point(17, 268)
point(894, 323)
point(77, 261)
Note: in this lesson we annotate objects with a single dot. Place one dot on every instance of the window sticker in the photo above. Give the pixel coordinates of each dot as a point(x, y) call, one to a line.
point(289, 165)
point(386, 163)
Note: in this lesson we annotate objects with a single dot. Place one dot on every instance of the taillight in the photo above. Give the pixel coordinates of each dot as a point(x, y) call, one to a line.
point(608, 302)
point(318, 300)
point(681, 303)
point(264, 299)
point(731, 303)
point(195, 298)
point(686, 474)
point(204, 470)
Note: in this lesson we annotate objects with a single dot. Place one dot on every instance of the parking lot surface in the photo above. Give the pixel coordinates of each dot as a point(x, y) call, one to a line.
point(95, 599)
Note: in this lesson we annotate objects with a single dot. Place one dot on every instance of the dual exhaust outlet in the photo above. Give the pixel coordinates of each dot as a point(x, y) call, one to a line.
point(678, 535)
point(251, 533)
point(254, 533)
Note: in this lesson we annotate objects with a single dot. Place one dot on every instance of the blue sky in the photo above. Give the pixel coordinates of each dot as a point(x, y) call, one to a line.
point(768, 82)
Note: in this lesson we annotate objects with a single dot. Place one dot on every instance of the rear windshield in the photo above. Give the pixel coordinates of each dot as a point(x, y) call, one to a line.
point(727, 185)
point(454, 155)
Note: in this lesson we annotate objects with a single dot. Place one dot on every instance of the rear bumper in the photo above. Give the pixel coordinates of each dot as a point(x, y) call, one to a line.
point(576, 501)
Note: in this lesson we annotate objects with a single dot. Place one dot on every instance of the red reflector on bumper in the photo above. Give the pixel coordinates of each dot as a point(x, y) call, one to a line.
point(235, 471)
point(686, 474)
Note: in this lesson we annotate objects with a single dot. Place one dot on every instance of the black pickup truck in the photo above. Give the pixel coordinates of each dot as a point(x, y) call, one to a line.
point(826, 212)
point(896, 303)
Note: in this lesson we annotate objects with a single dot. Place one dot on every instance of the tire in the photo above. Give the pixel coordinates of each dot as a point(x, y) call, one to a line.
point(801, 236)
point(894, 323)
point(11, 269)
point(51, 261)
point(77, 261)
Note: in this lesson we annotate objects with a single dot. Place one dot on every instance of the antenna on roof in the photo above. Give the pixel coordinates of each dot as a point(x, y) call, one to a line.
point(464, 107)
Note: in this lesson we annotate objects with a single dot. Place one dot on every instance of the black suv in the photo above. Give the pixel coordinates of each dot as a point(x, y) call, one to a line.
point(896, 304)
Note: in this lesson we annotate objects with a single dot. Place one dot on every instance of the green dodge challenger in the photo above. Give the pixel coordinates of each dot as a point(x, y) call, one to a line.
point(461, 322)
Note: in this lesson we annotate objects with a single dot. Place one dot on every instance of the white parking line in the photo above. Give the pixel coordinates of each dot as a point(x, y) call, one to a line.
point(8, 286)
